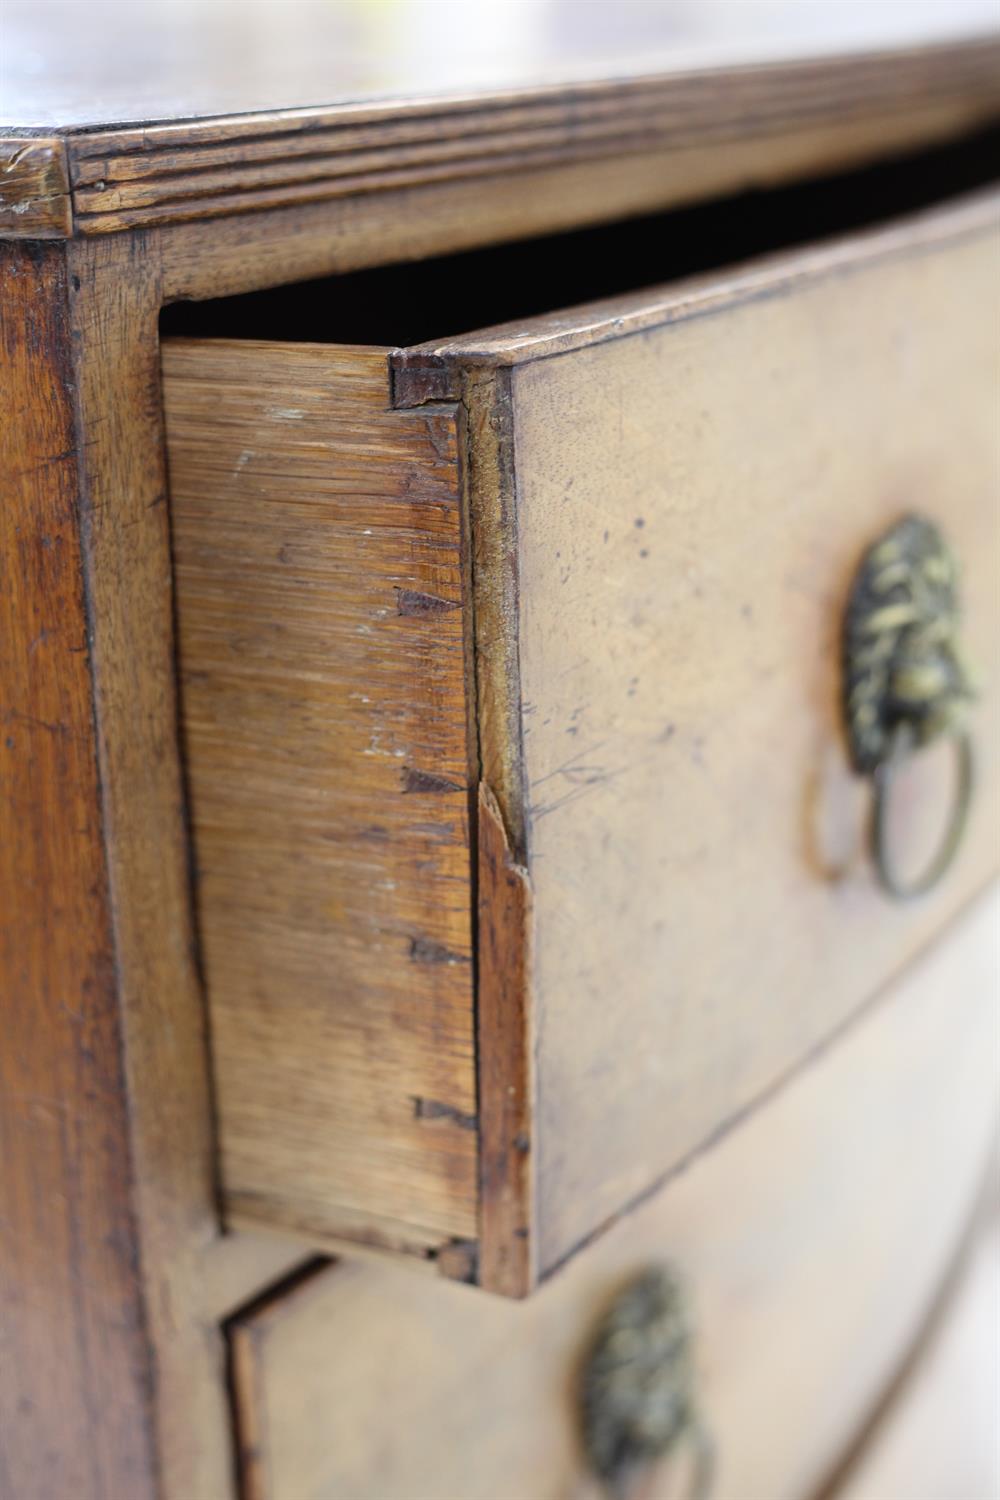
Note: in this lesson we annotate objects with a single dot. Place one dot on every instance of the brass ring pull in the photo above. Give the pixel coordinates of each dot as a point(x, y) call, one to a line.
point(905, 682)
point(637, 1401)
point(904, 890)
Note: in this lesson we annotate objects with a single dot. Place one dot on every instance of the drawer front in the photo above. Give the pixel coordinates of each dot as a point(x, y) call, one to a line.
point(594, 569)
point(669, 522)
point(811, 1239)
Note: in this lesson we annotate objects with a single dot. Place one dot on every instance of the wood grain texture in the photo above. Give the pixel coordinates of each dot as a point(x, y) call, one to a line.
point(208, 259)
point(74, 1321)
point(184, 171)
point(114, 297)
point(812, 1241)
point(114, 1264)
point(34, 189)
point(686, 131)
point(690, 480)
point(320, 605)
point(507, 1216)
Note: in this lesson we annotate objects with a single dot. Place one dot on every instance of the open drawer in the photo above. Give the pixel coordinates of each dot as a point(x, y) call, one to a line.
point(528, 852)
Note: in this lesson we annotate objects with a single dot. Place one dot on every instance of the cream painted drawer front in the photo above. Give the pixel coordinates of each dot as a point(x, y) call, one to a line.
point(586, 574)
point(812, 1240)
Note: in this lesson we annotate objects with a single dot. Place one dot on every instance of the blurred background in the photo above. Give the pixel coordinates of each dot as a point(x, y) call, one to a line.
point(280, 52)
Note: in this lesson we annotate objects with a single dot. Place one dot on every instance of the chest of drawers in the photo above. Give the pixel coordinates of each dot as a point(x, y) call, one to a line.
point(430, 838)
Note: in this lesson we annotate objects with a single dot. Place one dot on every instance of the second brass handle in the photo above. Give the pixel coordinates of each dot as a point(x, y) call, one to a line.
point(637, 1394)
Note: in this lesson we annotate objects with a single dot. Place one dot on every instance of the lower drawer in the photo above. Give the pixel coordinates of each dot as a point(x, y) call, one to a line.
point(811, 1240)
point(937, 1436)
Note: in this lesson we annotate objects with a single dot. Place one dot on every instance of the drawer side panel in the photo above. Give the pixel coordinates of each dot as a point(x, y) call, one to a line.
point(320, 601)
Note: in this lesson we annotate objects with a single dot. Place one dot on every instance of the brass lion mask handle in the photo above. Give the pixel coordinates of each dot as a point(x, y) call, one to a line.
point(637, 1399)
point(906, 684)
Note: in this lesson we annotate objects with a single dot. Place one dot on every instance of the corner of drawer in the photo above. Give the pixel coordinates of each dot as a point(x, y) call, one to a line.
point(418, 377)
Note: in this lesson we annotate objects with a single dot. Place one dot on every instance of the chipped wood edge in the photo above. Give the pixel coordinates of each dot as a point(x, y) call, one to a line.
point(508, 1220)
point(35, 201)
point(508, 1227)
point(486, 445)
point(245, 1351)
point(507, 1255)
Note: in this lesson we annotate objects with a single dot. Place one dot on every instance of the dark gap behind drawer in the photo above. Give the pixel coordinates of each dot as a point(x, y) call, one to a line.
point(449, 295)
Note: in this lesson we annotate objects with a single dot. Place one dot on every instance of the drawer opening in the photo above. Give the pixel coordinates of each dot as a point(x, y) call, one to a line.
point(455, 294)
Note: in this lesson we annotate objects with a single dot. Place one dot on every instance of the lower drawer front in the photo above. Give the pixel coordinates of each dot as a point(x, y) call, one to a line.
point(811, 1240)
point(938, 1435)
